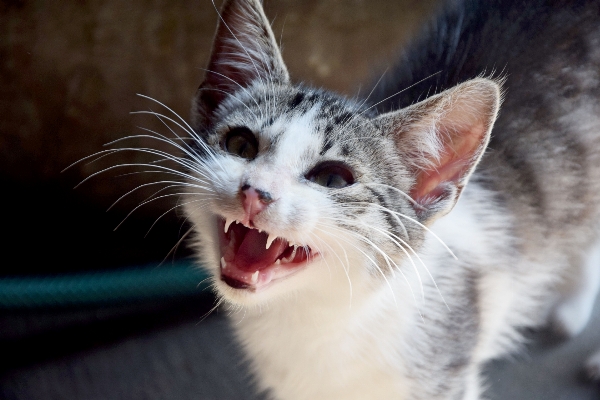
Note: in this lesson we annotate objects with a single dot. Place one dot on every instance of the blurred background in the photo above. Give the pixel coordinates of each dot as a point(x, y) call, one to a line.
point(70, 73)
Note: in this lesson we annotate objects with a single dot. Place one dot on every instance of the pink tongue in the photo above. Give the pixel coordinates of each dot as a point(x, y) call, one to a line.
point(253, 254)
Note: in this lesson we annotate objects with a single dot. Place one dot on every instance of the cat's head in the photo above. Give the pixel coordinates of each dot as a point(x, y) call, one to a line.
point(296, 189)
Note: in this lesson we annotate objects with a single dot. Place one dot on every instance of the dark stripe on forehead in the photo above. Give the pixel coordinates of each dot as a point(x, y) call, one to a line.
point(343, 117)
point(345, 150)
point(327, 144)
point(268, 122)
point(312, 98)
point(295, 102)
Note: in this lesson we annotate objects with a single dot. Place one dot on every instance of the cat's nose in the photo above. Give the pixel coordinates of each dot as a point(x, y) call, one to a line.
point(254, 201)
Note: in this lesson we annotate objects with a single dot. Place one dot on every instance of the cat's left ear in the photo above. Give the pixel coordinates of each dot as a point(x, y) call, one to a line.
point(442, 139)
point(244, 52)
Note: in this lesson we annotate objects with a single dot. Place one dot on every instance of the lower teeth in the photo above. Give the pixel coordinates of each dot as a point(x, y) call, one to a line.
point(291, 256)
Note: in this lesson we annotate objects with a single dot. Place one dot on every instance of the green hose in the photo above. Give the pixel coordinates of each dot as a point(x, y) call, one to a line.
point(100, 288)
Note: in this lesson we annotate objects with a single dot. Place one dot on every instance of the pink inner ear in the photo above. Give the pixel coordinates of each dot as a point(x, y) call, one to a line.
point(454, 164)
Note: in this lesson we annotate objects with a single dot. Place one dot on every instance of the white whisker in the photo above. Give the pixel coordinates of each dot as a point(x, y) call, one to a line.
point(346, 270)
point(411, 220)
point(171, 185)
point(149, 201)
point(159, 169)
point(171, 209)
point(385, 256)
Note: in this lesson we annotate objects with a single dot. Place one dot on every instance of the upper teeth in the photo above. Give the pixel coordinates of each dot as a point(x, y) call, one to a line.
point(270, 240)
point(223, 263)
point(228, 222)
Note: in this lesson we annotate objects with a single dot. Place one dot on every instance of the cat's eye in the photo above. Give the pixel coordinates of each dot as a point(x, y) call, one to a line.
point(241, 142)
point(331, 174)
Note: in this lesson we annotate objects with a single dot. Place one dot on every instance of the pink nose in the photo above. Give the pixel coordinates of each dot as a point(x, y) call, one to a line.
point(254, 201)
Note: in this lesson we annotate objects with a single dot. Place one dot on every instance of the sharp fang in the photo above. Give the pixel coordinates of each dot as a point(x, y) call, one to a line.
point(228, 222)
point(255, 277)
point(270, 240)
point(223, 263)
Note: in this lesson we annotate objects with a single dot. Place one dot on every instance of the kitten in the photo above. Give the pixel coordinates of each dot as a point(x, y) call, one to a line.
point(356, 260)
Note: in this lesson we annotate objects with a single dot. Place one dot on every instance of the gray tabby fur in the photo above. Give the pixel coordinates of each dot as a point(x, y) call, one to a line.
point(385, 310)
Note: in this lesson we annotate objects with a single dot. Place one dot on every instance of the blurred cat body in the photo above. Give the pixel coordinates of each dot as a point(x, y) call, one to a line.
point(335, 234)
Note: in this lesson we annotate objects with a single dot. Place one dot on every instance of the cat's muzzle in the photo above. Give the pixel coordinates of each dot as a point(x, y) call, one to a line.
point(252, 259)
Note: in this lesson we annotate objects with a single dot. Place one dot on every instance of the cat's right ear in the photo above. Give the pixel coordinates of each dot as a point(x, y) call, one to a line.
point(441, 140)
point(244, 52)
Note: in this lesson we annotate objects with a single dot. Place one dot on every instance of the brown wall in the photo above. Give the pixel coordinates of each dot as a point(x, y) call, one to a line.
point(70, 71)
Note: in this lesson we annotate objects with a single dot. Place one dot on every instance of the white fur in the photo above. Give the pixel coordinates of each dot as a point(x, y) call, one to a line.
point(294, 343)
point(579, 294)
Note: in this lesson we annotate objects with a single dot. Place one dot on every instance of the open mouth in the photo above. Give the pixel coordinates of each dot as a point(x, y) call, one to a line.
point(252, 259)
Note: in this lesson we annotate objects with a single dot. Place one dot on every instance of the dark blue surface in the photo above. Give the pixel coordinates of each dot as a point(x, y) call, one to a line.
point(86, 289)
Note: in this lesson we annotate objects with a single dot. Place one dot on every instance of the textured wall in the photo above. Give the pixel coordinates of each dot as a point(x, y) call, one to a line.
point(70, 71)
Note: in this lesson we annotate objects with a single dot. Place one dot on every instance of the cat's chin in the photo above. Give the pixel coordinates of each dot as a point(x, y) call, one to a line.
point(253, 260)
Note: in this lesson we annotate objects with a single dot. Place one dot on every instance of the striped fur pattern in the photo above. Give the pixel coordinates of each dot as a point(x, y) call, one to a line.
point(444, 243)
